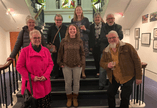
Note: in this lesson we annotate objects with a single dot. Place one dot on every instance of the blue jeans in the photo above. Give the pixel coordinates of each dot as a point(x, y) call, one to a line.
point(102, 76)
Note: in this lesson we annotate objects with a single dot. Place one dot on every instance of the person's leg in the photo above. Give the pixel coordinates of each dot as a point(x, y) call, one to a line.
point(125, 94)
point(102, 78)
point(86, 50)
point(111, 92)
point(96, 56)
point(55, 71)
point(67, 72)
point(76, 84)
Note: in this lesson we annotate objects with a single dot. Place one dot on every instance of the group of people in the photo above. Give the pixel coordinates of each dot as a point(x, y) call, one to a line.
point(73, 44)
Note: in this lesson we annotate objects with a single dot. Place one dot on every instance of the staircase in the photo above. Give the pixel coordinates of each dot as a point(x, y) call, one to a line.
point(89, 95)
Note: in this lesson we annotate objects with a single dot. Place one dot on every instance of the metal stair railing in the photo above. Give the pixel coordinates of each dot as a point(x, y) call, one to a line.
point(12, 79)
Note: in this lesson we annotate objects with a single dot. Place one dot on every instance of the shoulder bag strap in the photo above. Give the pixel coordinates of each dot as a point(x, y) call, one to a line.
point(30, 82)
point(56, 35)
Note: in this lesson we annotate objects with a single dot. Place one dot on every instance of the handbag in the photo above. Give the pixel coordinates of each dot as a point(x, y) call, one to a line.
point(51, 46)
point(29, 100)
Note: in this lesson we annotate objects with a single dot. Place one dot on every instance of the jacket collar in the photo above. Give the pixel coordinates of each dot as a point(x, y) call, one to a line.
point(107, 49)
point(41, 53)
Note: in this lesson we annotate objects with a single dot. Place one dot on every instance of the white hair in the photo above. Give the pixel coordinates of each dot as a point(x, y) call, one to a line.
point(34, 32)
point(109, 14)
point(29, 17)
point(96, 14)
point(113, 32)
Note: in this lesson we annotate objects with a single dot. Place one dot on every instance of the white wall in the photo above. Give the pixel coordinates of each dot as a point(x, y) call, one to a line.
point(4, 45)
point(146, 54)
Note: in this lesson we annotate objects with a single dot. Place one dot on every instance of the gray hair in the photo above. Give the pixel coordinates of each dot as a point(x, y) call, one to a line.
point(29, 17)
point(58, 15)
point(109, 14)
point(113, 32)
point(34, 32)
point(96, 14)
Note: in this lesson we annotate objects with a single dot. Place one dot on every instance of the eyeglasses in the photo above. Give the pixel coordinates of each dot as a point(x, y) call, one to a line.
point(58, 20)
point(36, 38)
point(111, 38)
point(110, 18)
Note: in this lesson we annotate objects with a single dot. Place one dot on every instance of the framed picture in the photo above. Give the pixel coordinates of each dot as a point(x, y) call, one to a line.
point(155, 44)
point(145, 38)
point(136, 44)
point(153, 16)
point(145, 18)
point(137, 33)
point(155, 33)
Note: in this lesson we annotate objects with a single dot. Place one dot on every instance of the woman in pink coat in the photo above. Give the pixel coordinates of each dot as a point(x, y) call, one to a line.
point(36, 60)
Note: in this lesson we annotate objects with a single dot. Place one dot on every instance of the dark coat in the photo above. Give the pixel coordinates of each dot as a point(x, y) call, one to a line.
point(92, 37)
point(105, 30)
point(52, 32)
point(23, 40)
point(84, 22)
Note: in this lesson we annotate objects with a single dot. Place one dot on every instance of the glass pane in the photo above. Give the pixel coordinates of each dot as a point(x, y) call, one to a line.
point(68, 4)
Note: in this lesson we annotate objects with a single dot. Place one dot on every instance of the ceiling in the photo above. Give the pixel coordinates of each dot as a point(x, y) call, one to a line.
point(18, 21)
point(131, 11)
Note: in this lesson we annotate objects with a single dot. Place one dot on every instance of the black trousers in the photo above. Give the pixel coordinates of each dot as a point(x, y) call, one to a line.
point(125, 93)
point(96, 54)
point(57, 71)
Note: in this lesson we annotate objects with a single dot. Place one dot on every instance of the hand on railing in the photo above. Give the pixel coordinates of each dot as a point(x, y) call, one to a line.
point(9, 58)
point(138, 81)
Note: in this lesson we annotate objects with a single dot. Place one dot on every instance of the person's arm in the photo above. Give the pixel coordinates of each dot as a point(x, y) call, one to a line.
point(103, 61)
point(21, 66)
point(18, 45)
point(49, 67)
point(82, 54)
point(60, 54)
point(91, 37)
point(103, 37)
point(87, 25)
point(120, 32)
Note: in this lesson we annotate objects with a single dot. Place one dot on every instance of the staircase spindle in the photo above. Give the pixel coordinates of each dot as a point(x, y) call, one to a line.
point(2, 89)
point(140, 95)
point(13, 77)
point(10, 84)
point(16, 77)
point(134, 91)
point(5, 88)
point(143, 85)
point(137, 93)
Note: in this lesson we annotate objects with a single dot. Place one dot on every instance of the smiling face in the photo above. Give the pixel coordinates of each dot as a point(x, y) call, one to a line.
point(110, 20)
point(72, 31)
point(97, 19)
point(35, 39)
point(58, 21)
point(78, 11)
point(30, 24)
point(113, 39)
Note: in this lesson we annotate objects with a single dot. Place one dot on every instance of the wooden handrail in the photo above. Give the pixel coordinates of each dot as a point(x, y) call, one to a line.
point(144, 64)
point(6, 65)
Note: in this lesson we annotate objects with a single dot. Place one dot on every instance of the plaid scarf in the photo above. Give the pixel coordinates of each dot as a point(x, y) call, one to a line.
point(97, 30)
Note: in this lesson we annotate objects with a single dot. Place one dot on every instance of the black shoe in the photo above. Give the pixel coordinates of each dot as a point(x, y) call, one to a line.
point(101, 87)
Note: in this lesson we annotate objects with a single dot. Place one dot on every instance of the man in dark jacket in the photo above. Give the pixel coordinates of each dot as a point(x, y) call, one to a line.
point(110, 25)
point(61, 34)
